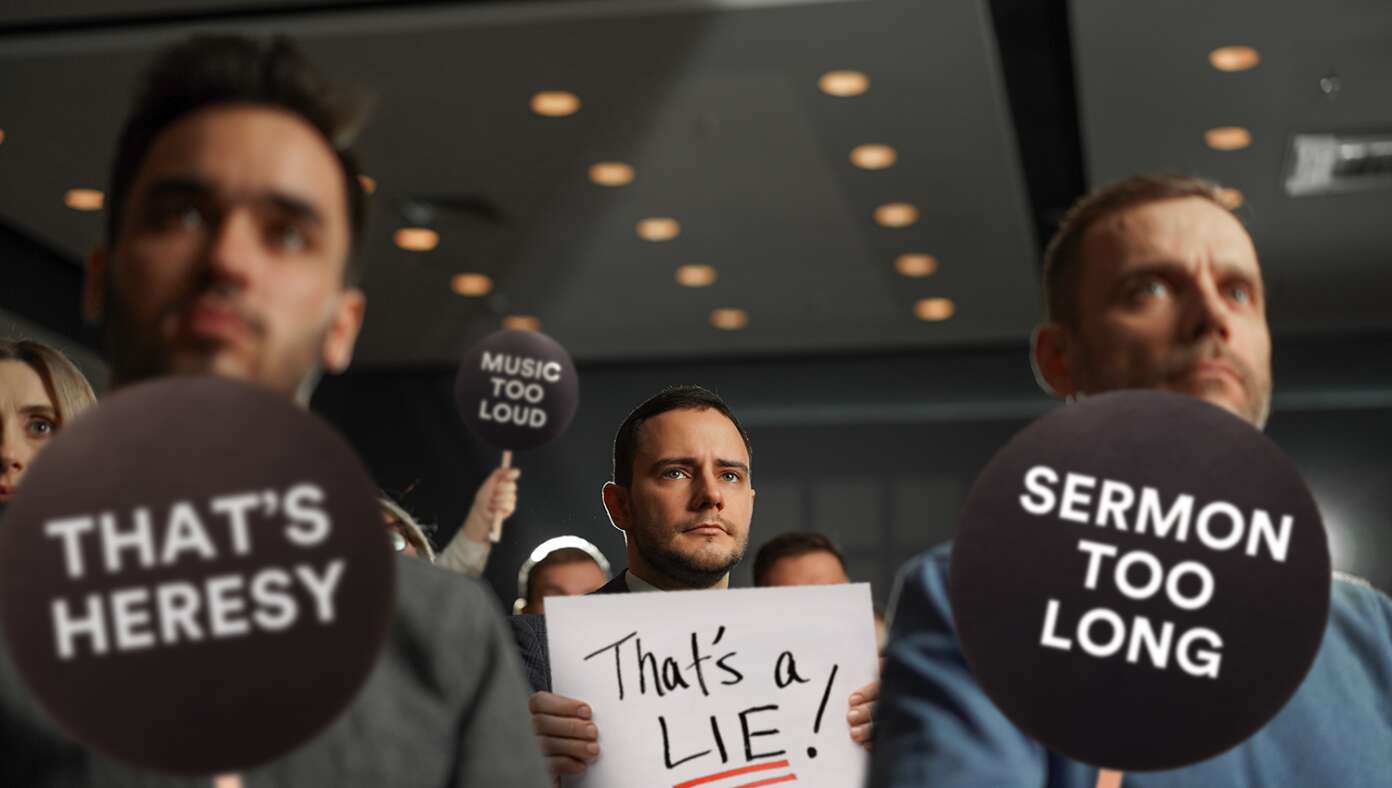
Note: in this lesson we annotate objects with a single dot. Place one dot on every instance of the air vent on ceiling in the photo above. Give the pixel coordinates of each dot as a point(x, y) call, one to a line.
point(1322, 163)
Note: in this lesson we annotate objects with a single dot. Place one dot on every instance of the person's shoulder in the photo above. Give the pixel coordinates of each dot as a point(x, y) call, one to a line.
point(437, 611)
point(927, 572)
point(1357, 605)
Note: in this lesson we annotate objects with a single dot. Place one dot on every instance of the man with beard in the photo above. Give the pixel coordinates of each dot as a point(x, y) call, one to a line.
point(234, 218)
point(682, 494)
point(1149, 283)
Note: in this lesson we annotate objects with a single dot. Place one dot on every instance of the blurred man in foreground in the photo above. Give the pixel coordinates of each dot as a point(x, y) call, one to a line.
point(235, 213)
point(1150, 283)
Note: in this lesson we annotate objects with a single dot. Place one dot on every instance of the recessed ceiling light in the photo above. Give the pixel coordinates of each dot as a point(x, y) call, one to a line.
point(417, 239)
point(873, 157)
point(611, 173)
point(555, 103)
point(658, 228)
point(695, 275)
point(83, 199)
point(1228, 138)
point(1234, 58)
point(729, 319)
point(844, 83)
point(896, 214)
point(934, 309)
point(1231, 198)
point(522, 323)
point(916, 265)
point(471, 284)
point(2, 135)
point(368, 183)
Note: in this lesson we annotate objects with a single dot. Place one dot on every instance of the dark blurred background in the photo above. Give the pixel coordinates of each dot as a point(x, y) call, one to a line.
point(875, 381)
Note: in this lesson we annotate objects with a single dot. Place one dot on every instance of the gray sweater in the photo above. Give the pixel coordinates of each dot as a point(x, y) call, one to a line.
point(446, 705)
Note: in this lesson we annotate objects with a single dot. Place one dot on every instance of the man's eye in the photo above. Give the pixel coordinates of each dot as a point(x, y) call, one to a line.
point(189, 217)
point(673, 473)
point(287, 237)
point(730, 476)
point(1153, 288)
point(1241, 293)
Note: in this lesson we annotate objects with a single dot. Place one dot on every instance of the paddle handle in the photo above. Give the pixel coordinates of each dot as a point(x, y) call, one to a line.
point(1106, 778)
point(227, 781)
point(496, 532)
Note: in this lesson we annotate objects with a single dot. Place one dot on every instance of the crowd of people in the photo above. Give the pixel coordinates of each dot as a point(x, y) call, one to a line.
point(231, 248)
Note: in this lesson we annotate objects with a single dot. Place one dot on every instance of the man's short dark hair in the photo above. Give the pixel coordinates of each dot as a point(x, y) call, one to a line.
point(1062, 264)
point(791, 545)
point(558, 557)
point(206, 71)
point(670, 398)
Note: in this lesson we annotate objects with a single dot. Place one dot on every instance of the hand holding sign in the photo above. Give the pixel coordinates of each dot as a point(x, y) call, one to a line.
point(716, 688)
point(516, 390)
point(181, 555)
point(1140, 581)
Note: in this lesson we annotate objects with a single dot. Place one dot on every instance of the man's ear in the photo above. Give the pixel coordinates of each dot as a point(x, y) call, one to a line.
point(1050, 345)
point(342, 334)
point(616, 504)
point(94, 286)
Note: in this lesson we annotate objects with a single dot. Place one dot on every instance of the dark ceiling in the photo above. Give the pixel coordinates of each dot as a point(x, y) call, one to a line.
point(715, 103)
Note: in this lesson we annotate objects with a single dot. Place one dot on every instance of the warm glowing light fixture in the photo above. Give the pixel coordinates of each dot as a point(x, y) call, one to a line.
point(695, 275)
point(368, 183)
point(729, 319)
point(611, 173)
point(83, 199)
point(2, 135)
point(916, 265)
point(522, 323)
point(471, 284)
point(1228, 138)
point(416, 239)
point(934, 309)
point(896, 214)
point(844, 83)
point(873, 157)
point(1231, 198)
point(1234, 58)
point(658, 228)
point(555, 103)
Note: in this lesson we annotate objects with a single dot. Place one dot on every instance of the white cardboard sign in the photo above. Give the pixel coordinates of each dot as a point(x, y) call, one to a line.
point(718, 688)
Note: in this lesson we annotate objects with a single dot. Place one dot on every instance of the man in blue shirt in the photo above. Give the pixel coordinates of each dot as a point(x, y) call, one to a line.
point(1149, 283)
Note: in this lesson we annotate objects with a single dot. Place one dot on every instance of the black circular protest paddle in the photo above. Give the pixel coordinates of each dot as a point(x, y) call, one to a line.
point(194, 576)
point(516, 390)
point(1140, 581)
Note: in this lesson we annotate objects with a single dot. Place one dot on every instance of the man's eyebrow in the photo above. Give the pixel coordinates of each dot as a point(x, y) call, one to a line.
point(176, 185)
point(742, 466)
point(297, 207)
point(674, 461)
point(184, 185)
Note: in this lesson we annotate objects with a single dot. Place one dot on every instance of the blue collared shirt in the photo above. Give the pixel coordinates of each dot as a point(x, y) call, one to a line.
point(935, 727)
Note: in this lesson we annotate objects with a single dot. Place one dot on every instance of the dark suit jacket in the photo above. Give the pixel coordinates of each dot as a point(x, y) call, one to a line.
point(530, 632)
point(444, 706)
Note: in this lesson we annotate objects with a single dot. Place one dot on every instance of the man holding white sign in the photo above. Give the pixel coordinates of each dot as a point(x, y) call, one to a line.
point(1151, 283)
point(682, 495)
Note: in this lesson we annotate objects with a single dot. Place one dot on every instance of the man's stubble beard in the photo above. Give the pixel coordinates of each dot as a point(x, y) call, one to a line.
point(138, 353)
point(1096, 376)
point(682, 568)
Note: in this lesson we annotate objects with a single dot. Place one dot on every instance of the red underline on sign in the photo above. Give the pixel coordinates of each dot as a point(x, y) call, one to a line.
point(787, 778)
point(710, 778)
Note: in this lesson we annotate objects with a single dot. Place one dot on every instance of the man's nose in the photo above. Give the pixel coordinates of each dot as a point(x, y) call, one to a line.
point(1206, 312)
point(233, 250)
point(707, 493)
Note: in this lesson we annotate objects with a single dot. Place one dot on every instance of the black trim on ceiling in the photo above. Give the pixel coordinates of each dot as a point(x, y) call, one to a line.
point(245, 10)
point(1036, 55)
point(42, 286)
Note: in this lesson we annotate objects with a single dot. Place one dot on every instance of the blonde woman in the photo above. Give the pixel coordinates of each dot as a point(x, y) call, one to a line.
point(40, 391)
